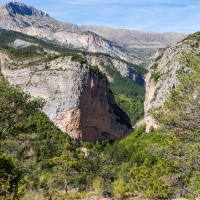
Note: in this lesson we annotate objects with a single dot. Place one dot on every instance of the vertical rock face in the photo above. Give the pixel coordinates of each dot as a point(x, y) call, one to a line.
point(76, 100)
point(19, 8)
point(99, 115)
point(163, 75)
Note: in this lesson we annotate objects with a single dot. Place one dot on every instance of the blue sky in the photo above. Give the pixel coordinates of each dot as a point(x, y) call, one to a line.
point(144, 15)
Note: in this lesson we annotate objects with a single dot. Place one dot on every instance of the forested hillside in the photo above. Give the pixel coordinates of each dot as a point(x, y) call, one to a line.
point(165, 162)
point(35, 154)
point(95, 113)
point(129, 95)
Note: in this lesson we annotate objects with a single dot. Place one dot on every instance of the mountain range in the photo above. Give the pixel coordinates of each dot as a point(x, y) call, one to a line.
point(133, 46)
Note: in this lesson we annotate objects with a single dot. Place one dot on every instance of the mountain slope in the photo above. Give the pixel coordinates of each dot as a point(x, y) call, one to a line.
point(162, 163)
point(137, 39)
point(140, 44)
point(163, 74)
point(133, 46)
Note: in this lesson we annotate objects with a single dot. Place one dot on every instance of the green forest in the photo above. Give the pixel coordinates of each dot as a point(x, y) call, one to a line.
point(128, 95)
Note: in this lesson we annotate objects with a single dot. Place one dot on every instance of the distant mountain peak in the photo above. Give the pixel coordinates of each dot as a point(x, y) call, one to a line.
point(14, 8)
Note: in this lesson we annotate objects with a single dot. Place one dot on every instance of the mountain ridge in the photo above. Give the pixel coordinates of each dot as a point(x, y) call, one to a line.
point(170, 38)
point(142, 45)
point(14, 8)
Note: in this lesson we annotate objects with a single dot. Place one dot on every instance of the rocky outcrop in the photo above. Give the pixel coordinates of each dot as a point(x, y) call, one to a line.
point(124, 68)
point(163, 75)
point(18, 43)
point(28, 20)
point(76, 100)
point(19, 8)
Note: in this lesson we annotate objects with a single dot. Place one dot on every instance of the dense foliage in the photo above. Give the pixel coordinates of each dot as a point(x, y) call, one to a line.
point(34, 153)
point(128, 95)
point(165, 162)
point(38, 156)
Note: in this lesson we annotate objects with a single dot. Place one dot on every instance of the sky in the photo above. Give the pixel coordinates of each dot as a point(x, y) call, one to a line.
point(145, 15)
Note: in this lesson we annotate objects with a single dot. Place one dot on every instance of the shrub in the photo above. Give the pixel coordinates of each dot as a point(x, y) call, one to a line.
point(155, 76)
point(154, 66)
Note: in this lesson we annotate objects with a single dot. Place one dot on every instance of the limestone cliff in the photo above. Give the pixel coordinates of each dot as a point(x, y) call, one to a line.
point(78, 101)
point(163, 75)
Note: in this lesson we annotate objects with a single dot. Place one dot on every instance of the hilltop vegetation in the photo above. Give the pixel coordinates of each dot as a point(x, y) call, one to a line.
point(195, 36)
point(128, 95)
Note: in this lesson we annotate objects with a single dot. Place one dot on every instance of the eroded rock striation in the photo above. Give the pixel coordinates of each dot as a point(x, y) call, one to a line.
point(77, 101)
point(163, 75)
